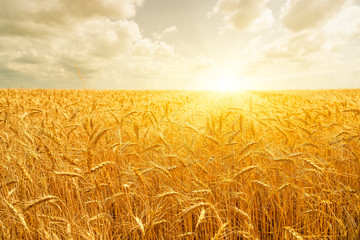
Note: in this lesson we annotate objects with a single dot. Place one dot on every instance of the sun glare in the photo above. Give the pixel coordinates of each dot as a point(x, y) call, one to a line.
point(226, 80)
point(224, 83)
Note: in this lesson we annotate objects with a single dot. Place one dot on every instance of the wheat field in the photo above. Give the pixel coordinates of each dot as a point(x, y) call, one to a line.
point(91, 164)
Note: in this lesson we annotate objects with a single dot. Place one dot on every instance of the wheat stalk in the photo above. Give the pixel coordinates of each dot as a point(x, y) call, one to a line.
point(17, 214)
point(39, 201)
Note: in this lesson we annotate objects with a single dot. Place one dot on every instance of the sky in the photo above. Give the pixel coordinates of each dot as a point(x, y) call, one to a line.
point(180, 44)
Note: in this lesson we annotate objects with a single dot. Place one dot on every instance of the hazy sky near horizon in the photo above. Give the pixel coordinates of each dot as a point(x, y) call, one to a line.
point(180, 44)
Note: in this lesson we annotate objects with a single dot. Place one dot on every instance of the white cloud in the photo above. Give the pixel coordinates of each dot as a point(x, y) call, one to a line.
point(298, 15)
point(335, 32)
point(295, 45)
point(321, 50)
point(343, 26)
point(167, 31)
point(149, 48)
point(242, 14)
point(109, 38)
point(265, 21)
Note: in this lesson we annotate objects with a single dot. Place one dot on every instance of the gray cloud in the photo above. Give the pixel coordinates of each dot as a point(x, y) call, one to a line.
point(53, 11)
point(37, 18)
point(23, 28)
point(298, 15)
point(48, 38)
point(242, 14)
point(43, 41)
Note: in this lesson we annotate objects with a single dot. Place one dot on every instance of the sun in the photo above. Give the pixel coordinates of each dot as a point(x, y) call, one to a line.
point(225, 80)
point(224, 83)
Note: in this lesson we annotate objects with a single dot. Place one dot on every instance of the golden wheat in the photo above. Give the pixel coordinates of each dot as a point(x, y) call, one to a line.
point(88, 164)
